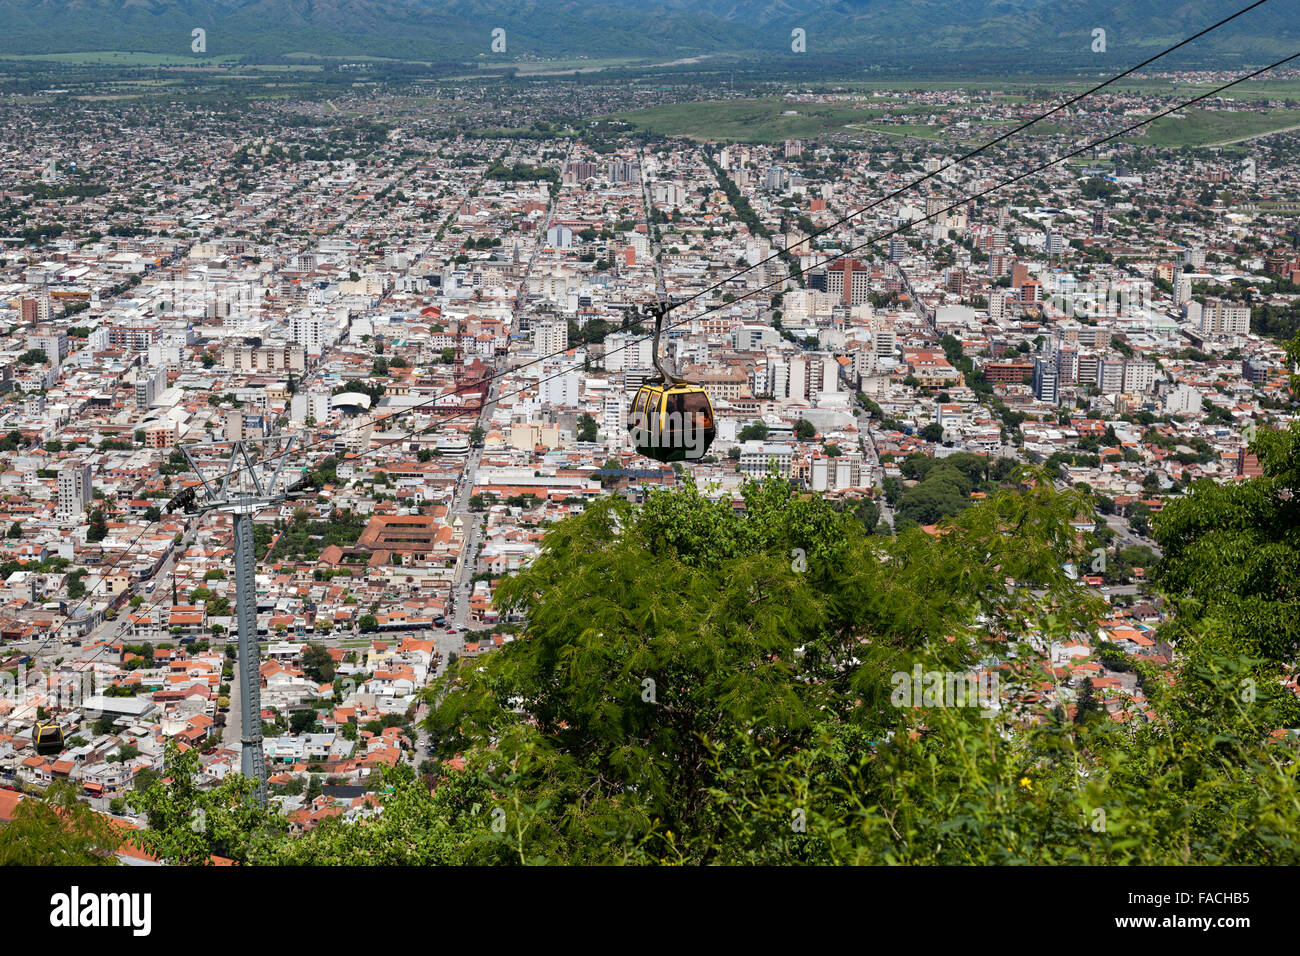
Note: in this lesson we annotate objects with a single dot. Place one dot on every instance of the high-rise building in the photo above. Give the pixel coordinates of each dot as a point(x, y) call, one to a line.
point(1110, 375)
point(998, 305)
point(308, 331)
point(149, 384)
point(849, 279)
point(1067, 366)
point(753, 338)
point(776, 178)
point(884, 342)
point(559, 237)
point(623, 171)
point(624, 351)
point(53, 343)
point(1087, 366)
point(1019, 274)
point(612, 419)
point(550, 336)
point(558, 385)
point(1194, 256)
point(313, 405)
point(1046, 380)
point(1183, 400)
point(842, 472)
point(778, 376)
point(1139, 375)
point(1219, 317)
point(583, 170)
point(75, 491)
point(239, 425)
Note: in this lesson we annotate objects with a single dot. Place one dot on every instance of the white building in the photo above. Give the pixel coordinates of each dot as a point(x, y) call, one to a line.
point(309, 331)
point(550, 336)
point(558, 387)
point(1183, 400)
point(1110, 376)
point(1139, 375)
point(74, 491)
point(758, 458)
point(624, 351)
point(1224, 318)
point(612, 419)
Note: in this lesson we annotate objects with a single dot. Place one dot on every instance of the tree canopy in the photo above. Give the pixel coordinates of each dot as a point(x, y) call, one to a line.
point(698, 683)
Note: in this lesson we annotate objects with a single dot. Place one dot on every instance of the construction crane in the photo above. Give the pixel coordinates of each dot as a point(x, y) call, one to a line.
point(251, 482)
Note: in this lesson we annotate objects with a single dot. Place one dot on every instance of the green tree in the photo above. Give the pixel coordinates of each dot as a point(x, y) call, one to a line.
point(450, 825)
point(587, 427)
point(302, 721)
point(57, 829)
point(76, 586)
point(189, 824)
point(317, 663)
point(98, 529)
point(1232, 556)
point(730, 705)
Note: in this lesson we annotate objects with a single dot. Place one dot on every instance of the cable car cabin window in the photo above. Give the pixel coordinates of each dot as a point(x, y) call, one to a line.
point(640, 421)
point(688, 418)
point(650, 409)
point(696, 406)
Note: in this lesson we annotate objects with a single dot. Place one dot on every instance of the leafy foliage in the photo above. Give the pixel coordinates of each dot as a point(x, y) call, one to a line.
point(189, 824)
point(701, 684)
point(408, 826)
point(58, 830)
point(757, 667)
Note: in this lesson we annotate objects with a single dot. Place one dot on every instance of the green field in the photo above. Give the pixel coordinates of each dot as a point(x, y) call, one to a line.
point(755, 121)
point(774, 120)
point(904, 131)
point(1196, 127)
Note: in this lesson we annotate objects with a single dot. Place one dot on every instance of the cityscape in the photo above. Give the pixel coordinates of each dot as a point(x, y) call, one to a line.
point(332, 500)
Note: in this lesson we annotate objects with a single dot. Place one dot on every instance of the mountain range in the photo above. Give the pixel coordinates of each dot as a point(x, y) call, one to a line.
point(1025, 35)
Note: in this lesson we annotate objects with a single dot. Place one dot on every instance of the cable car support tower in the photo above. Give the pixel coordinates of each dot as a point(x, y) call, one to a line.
point(251, 482)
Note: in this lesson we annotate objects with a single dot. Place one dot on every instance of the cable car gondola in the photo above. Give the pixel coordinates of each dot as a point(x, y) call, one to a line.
point(48, 739)
point(671, 419)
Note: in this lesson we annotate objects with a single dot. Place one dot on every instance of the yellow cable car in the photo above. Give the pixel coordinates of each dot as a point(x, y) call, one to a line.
point(48, 739)
point(670, 419)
